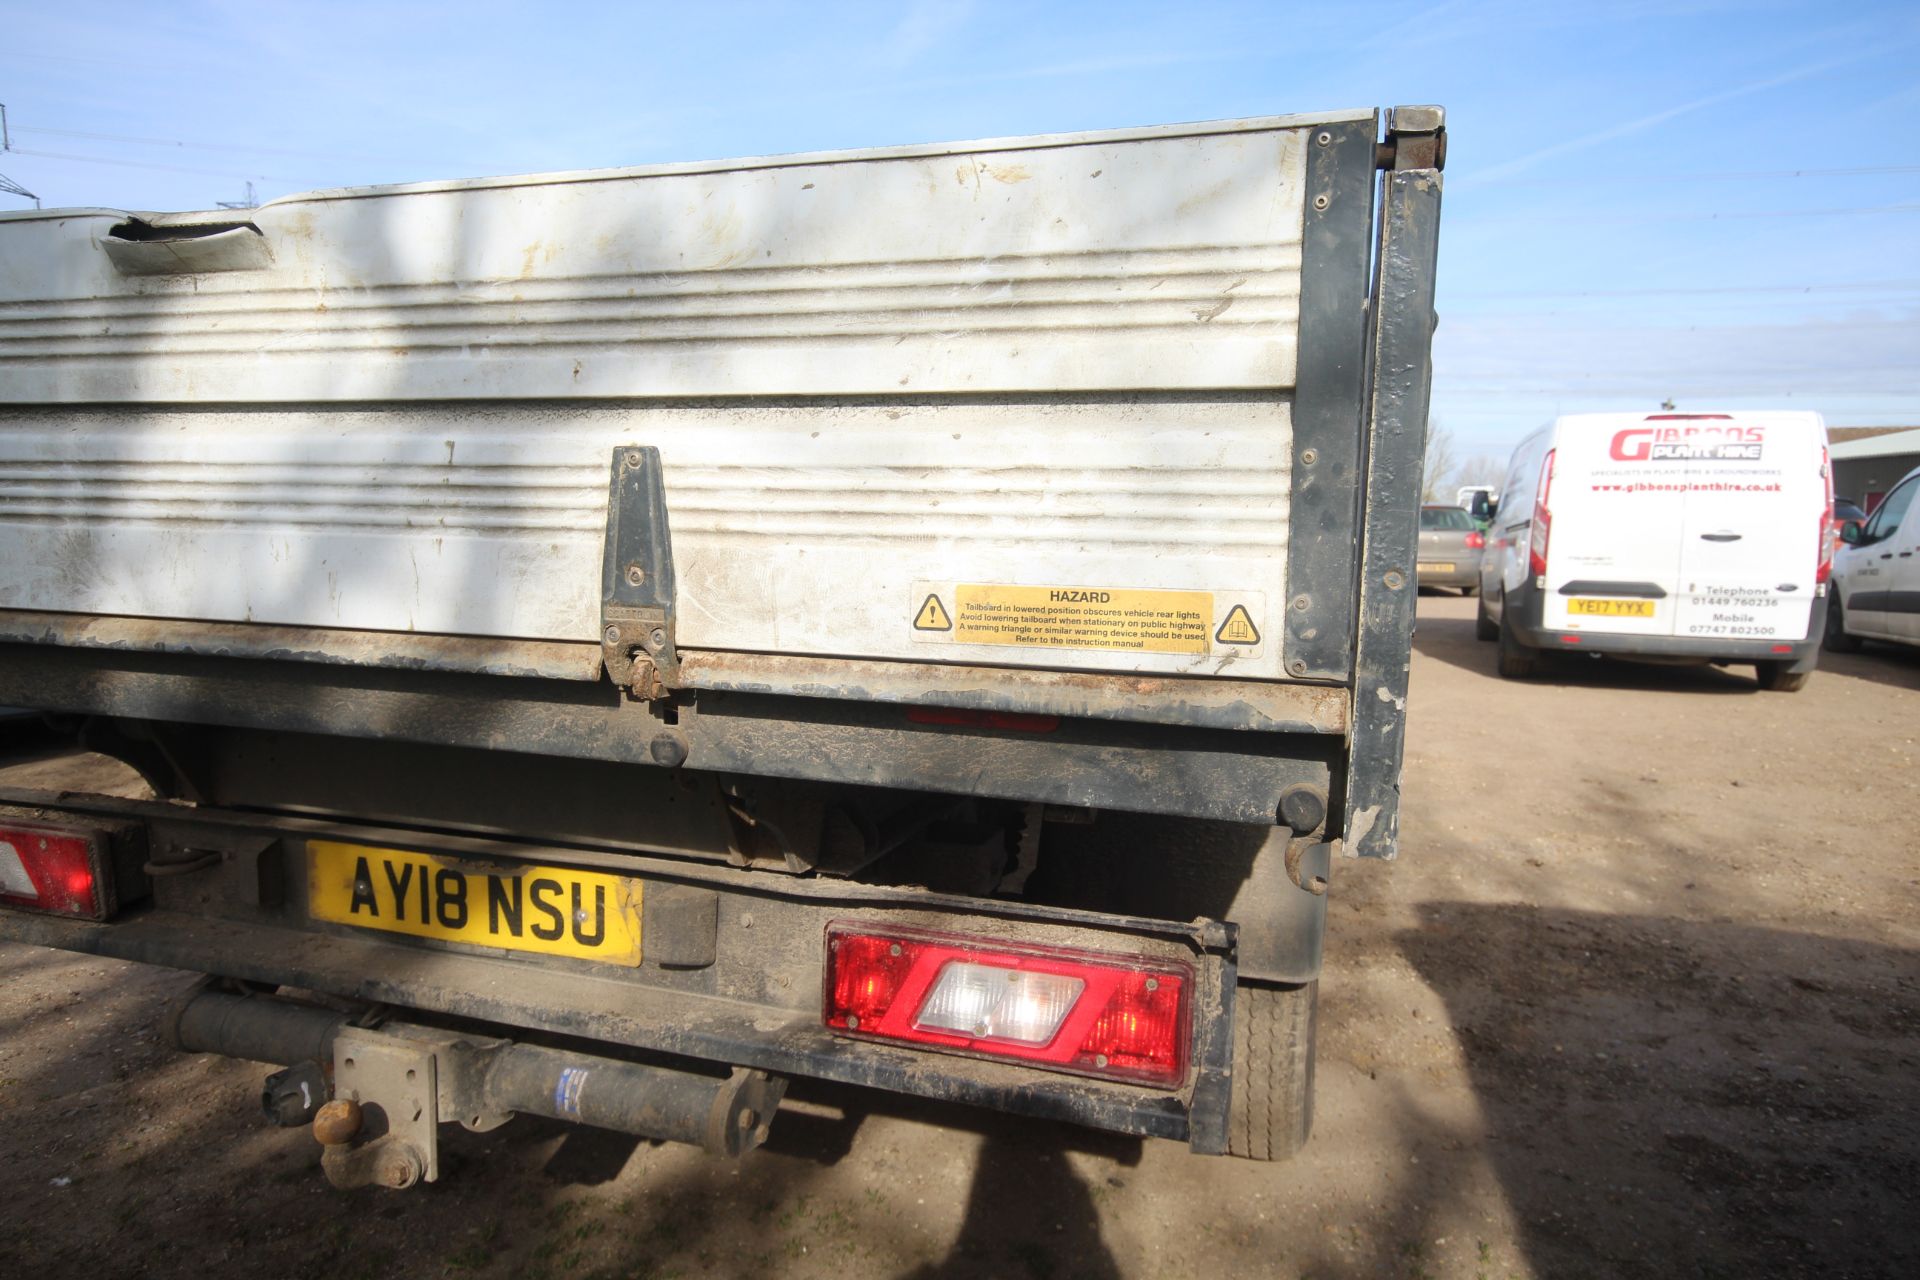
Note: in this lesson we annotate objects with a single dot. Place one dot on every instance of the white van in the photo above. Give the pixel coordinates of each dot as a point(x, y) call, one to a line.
point(1666, 536)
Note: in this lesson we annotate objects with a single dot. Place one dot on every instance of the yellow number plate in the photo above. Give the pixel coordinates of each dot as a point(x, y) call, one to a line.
point(1612, 608)
point(587, 915)
point(1433, 566)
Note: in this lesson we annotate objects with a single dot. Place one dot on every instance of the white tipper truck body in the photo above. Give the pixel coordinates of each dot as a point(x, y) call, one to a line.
point(850, 529)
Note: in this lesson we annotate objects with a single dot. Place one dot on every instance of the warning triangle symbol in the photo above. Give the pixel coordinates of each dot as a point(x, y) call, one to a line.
point(1238, 628)
point(932, 616)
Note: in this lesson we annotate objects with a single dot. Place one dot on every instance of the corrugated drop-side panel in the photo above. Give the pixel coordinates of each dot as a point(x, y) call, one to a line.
point(897, 395)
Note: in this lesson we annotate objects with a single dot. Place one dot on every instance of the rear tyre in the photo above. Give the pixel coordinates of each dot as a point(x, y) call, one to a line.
point(1271, 1112)
point(1774, 677)
point(1517, 661)
point(1837, 639)
point(1484, 627)
point(1467, 591)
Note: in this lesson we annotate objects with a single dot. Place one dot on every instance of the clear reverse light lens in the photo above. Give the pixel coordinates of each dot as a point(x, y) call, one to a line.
point(990, 1002)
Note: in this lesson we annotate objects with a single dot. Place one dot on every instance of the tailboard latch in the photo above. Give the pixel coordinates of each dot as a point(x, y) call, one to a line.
point(636, 598)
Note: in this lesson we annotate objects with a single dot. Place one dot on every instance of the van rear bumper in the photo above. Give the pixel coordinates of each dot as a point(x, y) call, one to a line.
point(1800, 655)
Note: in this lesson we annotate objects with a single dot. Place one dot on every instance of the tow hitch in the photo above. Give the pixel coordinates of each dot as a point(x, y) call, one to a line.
point(376, 1096)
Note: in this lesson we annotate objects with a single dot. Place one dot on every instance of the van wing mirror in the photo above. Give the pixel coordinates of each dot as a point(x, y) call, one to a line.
point(1851, 532)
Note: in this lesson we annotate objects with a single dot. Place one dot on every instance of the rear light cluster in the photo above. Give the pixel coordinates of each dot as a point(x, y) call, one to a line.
point(1476, 541)
point(1123, 1018)
point(52, 869)
point(1542, 521)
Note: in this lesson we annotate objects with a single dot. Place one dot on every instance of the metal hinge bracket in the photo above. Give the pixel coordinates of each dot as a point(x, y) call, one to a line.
point(636, 597)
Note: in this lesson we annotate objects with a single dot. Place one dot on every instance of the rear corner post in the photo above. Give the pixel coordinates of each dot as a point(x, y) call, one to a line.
point(1399, 348)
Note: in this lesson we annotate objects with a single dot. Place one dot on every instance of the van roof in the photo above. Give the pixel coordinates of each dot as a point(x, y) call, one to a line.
point(1761, 417)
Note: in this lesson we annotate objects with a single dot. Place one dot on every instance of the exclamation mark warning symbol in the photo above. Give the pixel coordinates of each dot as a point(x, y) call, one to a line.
point(932, 616)
point(1238, 628)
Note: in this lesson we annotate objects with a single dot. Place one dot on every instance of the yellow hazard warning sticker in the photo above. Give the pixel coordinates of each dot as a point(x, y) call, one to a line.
point(1118, 618)
point(1238, 628)
point(933, 615)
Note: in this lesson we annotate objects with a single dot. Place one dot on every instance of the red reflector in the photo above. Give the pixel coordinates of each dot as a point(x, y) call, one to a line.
point(1569, 639)
point(1138, 1028)
point(983, 719)
point(50, 869)
point(1783, 648)
point(1086, 1012)
point(867, 975)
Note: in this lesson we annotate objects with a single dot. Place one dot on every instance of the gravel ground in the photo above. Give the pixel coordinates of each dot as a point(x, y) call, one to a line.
point(1641, 998)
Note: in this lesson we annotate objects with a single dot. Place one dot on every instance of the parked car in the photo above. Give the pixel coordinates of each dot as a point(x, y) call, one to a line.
point(1451, 544)
point(1845, 509)
point(1674, 537)
point(1876, 573)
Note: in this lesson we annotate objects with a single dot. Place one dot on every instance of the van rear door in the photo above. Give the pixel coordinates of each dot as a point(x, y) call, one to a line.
point(1755, 509)
point(1616, 526)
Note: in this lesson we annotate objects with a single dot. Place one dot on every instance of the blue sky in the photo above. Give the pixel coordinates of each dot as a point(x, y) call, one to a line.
point(1718, 202)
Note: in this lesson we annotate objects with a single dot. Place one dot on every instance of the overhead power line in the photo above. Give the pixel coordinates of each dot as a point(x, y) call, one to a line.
point(1558, 219)
point(147, 164)
point(1731, 175)
point(13, 188)
point(7, 184)
point(231, 147)
point(1876, 286)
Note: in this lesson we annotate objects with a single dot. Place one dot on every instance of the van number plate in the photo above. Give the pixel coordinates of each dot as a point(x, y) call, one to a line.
point(555, 911)
point(1612, 608)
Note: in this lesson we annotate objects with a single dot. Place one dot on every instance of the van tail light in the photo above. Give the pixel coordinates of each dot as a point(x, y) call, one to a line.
point(1121, 1017)
point(1829, 530)
point(1476, 541)
point(1542, 519)
point(59, 870)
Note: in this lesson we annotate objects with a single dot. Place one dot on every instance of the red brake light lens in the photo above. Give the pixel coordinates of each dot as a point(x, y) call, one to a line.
point(1138, 1027)
point(1542, 519)
point(868, 977)
point(49, 869)
point(1476, 540)
point(1084, 1012)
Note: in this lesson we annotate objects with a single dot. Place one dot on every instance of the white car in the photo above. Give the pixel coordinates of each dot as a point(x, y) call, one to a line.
point(1876, 574)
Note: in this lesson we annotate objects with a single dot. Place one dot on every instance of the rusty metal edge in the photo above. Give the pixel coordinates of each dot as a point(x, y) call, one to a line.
point(405, 651)
point(1198, 701)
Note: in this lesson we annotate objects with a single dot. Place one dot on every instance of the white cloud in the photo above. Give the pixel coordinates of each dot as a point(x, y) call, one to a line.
point(924, 26)
point(1641, 124)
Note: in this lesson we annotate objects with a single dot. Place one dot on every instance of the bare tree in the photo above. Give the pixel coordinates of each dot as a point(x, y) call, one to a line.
point(1481, 468)
point(1441, 462)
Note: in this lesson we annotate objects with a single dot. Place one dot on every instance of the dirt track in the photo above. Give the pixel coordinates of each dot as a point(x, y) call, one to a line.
point(1641, 998)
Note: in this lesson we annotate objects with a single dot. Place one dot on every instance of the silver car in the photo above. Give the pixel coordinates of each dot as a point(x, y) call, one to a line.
point(1450, 547)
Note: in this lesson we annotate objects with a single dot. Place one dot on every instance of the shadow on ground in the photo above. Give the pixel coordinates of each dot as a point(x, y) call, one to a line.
point(1665, 1097)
